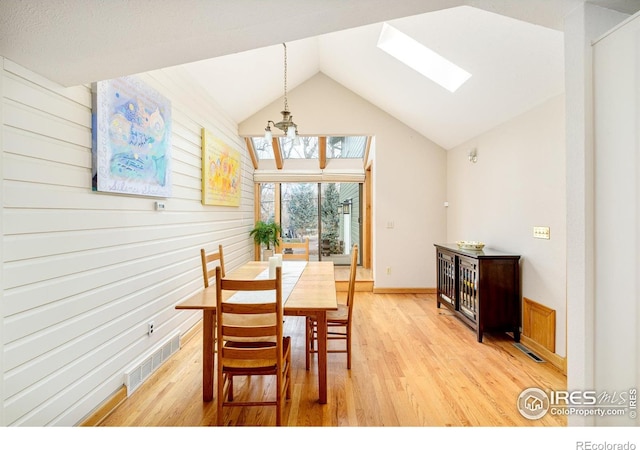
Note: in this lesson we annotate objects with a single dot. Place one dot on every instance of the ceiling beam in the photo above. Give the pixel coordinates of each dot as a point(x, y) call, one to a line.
point(367, 147)
point(252, 152)
point(322, 151)
point(277, 152)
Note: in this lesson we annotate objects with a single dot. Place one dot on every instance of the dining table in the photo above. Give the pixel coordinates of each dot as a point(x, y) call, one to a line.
point(308, 289)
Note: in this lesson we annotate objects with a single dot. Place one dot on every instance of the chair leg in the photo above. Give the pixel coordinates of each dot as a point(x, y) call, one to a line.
point(219, 401)
point(348, 350)
point(279, 400)
point(289, 383)
point(308, 342)
point(230, 394)
point(288, 379)
point(279, 413)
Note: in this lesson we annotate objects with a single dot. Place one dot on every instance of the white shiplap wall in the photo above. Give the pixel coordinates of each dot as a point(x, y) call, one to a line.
point(84, 272)
point(2, 395)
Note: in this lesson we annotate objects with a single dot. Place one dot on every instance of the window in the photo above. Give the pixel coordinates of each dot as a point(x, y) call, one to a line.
point(267, 202)
point(262, 148)
point(299, 148)
point(326, 213)
point(311, 147)
point(346, 146)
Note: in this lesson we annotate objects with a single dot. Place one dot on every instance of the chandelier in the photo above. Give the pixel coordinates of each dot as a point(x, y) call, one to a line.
point(286, 124)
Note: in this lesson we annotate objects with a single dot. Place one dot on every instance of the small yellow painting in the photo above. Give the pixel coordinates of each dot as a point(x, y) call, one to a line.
point(220, 172)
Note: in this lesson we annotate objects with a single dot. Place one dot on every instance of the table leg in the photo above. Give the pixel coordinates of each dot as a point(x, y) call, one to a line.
point(208, 322)
point(322, 356)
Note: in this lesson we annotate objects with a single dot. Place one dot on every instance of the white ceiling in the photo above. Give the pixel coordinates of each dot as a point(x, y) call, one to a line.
point(513, 49)
point(515, 65)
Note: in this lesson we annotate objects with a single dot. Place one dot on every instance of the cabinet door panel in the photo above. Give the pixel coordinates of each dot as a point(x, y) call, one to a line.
point(468, 287)
point(446, 277)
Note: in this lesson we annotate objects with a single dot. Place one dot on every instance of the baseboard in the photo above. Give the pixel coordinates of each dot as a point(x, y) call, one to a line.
point(110, 404)
point(361, 286)
point(191, 332)
point(556, 360)
point(103, 411)
point(404, 290)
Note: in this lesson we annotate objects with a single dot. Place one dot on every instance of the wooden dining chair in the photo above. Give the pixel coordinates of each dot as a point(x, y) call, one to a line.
point(210, 261)
point(251, 342)
point(339, 322)
point(208, 270)
point(298, 250)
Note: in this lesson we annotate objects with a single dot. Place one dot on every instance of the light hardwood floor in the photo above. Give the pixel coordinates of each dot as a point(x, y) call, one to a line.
point(413, 365)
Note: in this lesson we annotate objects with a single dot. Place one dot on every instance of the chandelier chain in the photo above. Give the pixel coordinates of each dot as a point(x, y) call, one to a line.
point(286, 124)
point(286, 104)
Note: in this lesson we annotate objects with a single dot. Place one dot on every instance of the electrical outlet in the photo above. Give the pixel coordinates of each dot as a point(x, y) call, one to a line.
point(388, 270)
point(160, 206)
point(151, 328)
point(541, 233)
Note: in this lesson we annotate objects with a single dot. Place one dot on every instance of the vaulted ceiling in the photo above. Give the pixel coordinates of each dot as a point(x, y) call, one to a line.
point(515, 65)
point(513, 49)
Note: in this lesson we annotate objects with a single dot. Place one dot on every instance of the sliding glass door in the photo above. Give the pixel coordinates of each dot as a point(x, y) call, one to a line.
point(340, 221)
point(329, 214)
point(299, 214)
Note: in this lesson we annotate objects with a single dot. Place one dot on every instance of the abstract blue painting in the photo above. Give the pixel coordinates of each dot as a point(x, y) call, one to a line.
point(131, 135)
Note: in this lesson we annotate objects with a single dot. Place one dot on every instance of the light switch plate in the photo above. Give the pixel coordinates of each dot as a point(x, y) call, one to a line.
point(541, 233)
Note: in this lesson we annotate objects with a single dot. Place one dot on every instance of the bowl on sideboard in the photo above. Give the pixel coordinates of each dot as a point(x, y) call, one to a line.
point(470, 245)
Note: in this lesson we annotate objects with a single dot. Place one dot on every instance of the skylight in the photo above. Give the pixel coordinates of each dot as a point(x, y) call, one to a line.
point(422, 59)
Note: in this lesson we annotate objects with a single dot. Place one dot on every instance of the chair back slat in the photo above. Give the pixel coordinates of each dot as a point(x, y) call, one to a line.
point(295, 256)
point(249, 285)
point(248, 308)
point(230, 331)
point(253, 353)
point(208, 271)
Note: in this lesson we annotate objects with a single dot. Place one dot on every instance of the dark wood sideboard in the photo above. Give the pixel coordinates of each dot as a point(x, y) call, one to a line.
point(481, 287)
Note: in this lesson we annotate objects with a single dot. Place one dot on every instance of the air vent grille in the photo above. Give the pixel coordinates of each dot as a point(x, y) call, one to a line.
point(139, 372)
point(529, 353)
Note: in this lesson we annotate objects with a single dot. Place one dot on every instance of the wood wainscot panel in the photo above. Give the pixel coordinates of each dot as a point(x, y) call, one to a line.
point(539, 324)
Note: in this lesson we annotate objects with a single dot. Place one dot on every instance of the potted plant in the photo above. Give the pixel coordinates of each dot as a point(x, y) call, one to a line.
point(267, 234)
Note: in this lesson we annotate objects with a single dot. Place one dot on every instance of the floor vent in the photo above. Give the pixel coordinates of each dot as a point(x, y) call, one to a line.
point(529, 353)
point(135, 376)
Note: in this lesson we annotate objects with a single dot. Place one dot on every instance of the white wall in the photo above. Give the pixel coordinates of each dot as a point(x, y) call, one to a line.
point(84, 272)
point(518, 182)
point(2, 390)
point(582, 26)
point(617, 207)
point(409, 176)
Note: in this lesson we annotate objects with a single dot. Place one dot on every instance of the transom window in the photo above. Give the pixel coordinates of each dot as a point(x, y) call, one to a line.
point(346, 146)
point(262, 148)
point(311, 147)
point(299, 148)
